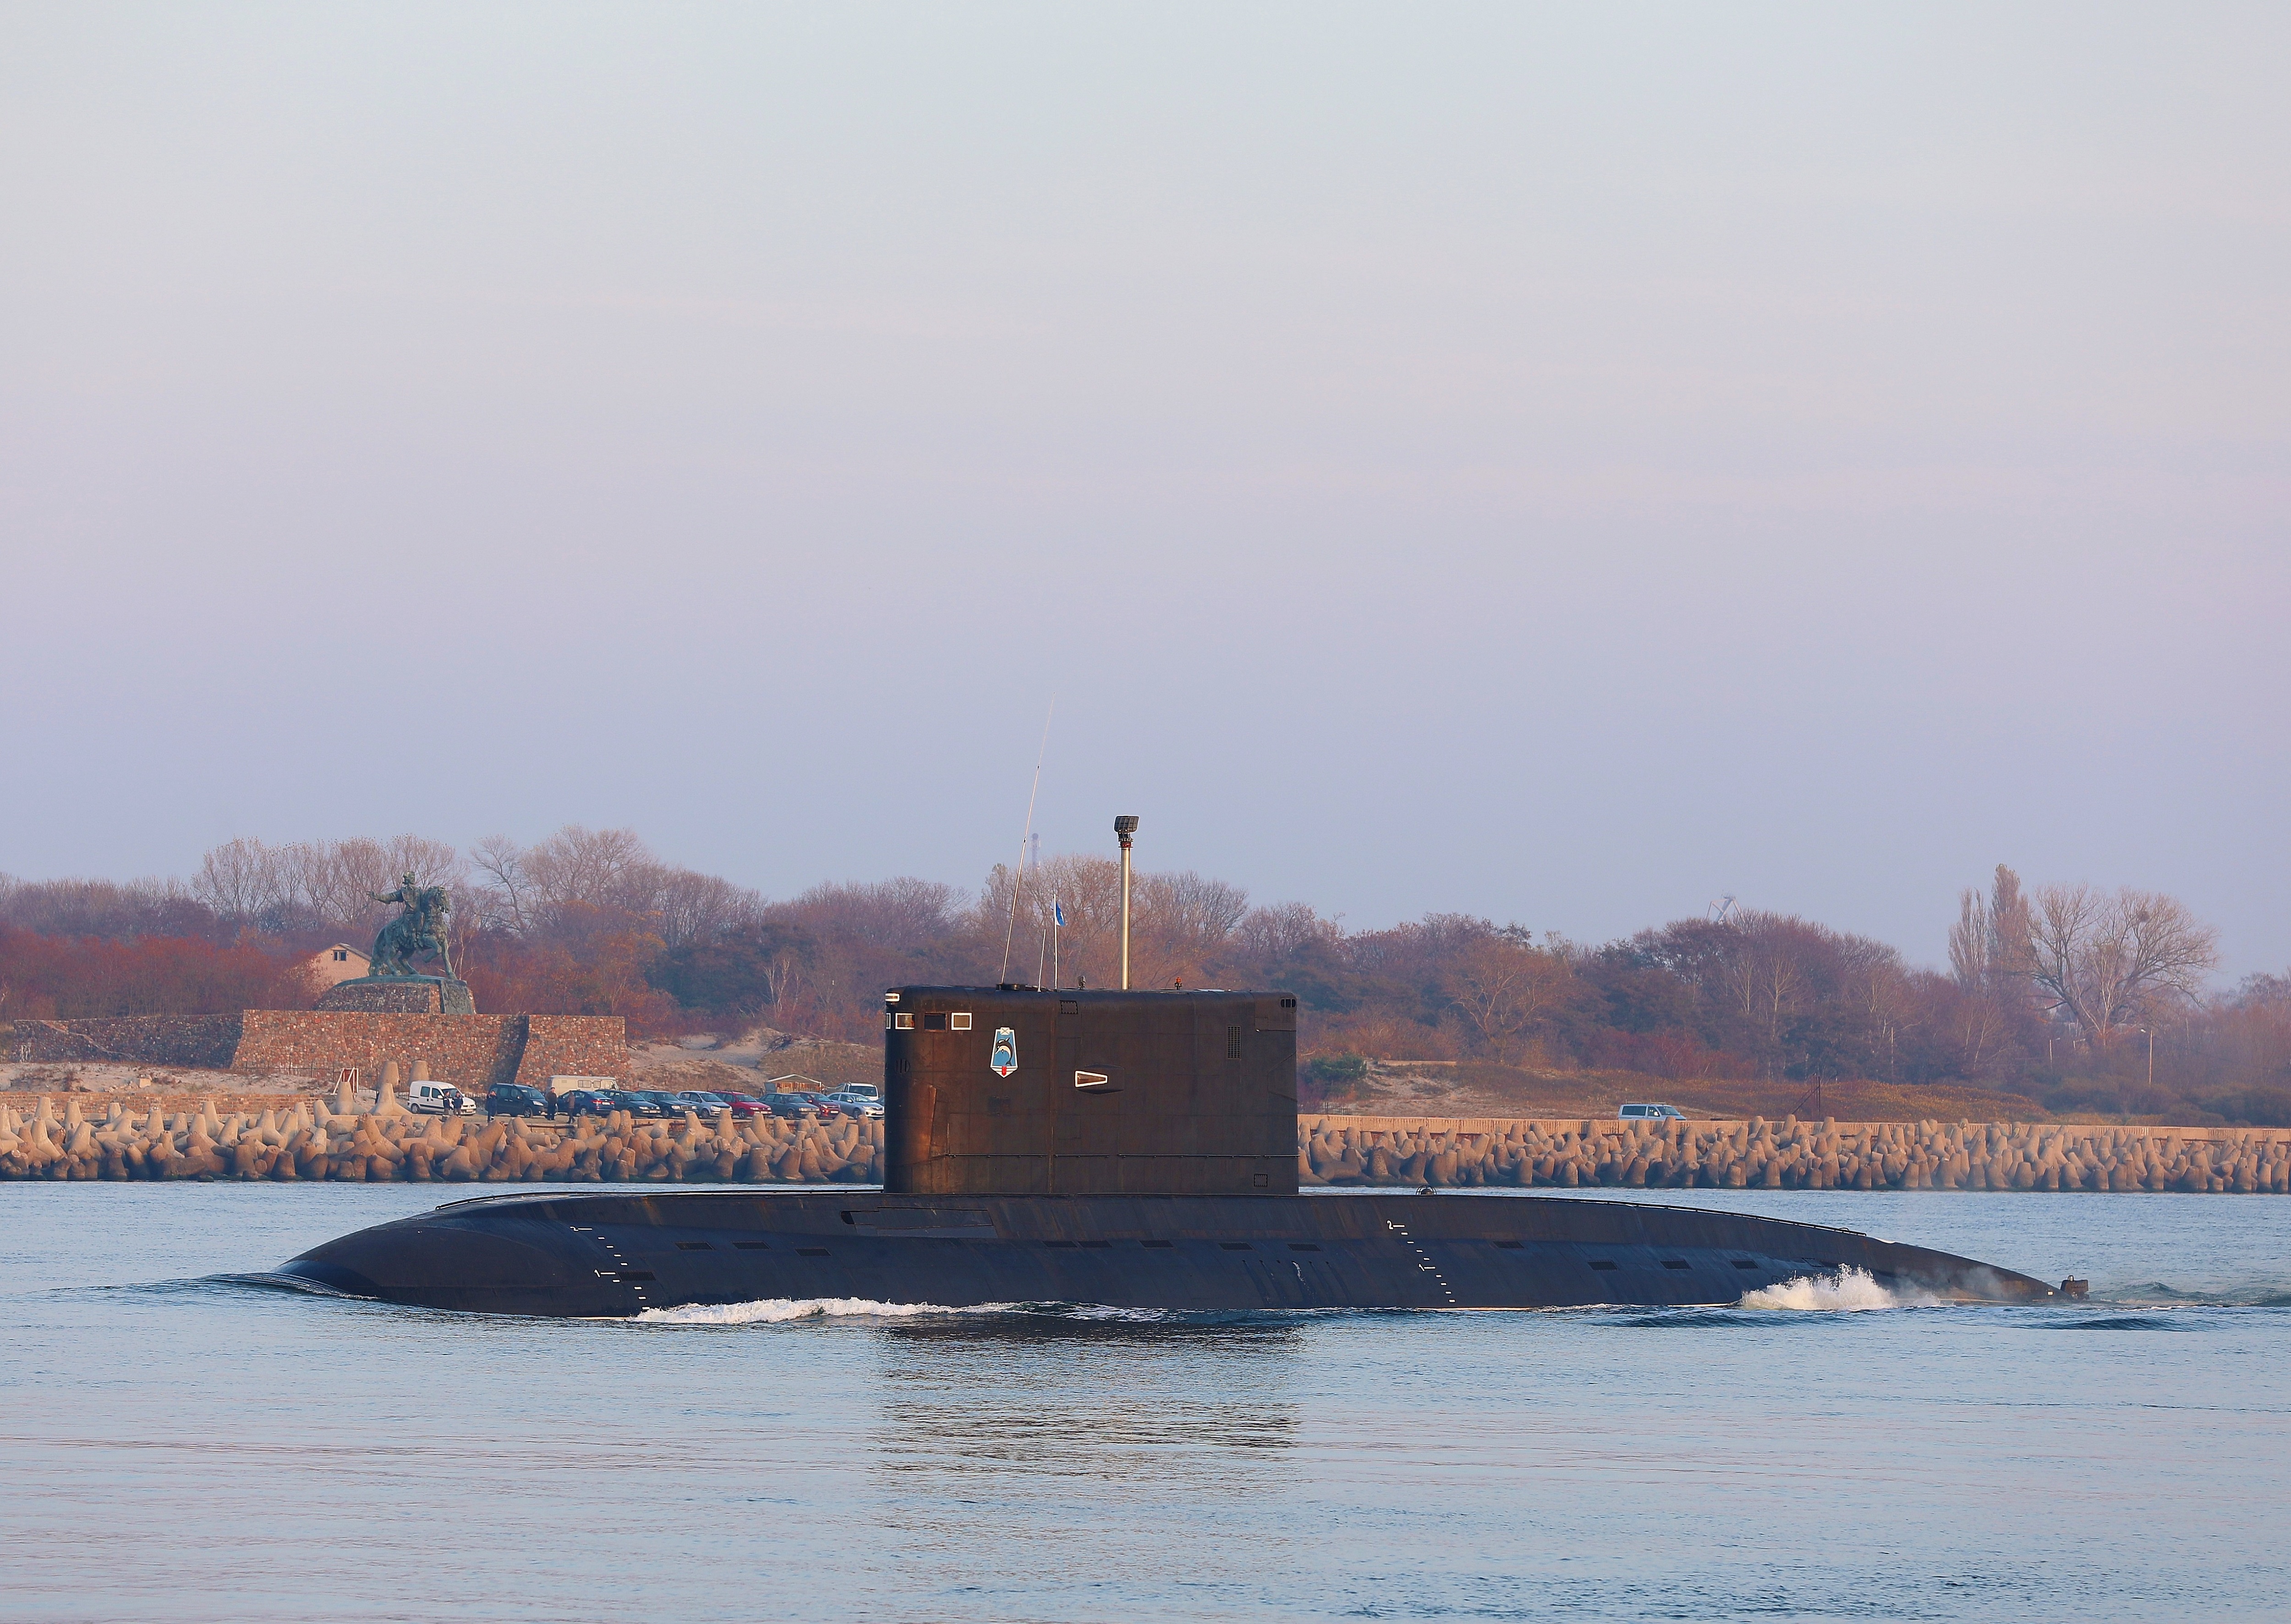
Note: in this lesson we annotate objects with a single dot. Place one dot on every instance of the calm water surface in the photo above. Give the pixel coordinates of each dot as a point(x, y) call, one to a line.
point(182, 1446)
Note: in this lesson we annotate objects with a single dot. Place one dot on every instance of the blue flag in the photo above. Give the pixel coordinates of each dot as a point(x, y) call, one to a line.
point(1058, 913)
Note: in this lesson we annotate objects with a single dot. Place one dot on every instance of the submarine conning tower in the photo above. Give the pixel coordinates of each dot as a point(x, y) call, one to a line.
point(1017, 1091)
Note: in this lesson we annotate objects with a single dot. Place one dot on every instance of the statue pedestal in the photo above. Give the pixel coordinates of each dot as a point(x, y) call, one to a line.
point(399, 995)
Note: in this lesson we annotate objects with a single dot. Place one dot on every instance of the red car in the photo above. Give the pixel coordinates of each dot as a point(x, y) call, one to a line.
point(743, 1106)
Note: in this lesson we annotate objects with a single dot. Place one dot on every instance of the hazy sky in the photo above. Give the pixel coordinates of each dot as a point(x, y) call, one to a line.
point(1561, 464)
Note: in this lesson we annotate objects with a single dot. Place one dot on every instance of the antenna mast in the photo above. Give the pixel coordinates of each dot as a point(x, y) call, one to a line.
point(1025, 835)
point(1124, 827)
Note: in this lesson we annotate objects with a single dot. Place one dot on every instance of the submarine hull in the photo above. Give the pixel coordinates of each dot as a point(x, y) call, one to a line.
point(615, 1255)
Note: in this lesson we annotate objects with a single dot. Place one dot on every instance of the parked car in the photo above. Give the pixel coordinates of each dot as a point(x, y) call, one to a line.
point(516, 1100)
point(745, 1105)
point(1641, 1113)
point(701, 1103)
point(863, 1090)
point(650, 1102)
point(794, 1106)
point(438, 1099)
point(591, 1102)
point(826, 1106)
point(851, 1103)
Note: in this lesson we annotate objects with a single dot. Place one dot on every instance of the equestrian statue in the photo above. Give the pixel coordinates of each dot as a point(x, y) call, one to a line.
point(420, 929)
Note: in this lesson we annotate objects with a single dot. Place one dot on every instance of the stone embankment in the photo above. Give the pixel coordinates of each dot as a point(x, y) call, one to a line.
point(309, 1140)
point(1790, 1154)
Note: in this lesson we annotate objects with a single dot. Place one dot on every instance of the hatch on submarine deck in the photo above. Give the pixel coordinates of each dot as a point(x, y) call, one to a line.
point(1130, 1149)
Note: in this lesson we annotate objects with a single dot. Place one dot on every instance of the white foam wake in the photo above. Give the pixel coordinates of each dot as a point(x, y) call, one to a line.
point(1849, 1290)
point(780, 1310)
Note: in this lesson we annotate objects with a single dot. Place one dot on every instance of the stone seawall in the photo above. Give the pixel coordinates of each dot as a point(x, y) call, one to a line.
point(1789, 1154)
point(573, 1046)
point(203, 1041)
point(472, 1052)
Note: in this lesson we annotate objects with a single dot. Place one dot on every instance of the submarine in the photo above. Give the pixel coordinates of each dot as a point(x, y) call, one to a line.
point(1118, 1148)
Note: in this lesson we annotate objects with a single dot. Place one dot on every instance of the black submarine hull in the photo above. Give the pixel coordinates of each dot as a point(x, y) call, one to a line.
point(616, 1255)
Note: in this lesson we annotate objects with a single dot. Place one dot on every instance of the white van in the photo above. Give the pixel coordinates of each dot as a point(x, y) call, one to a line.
point(438, 1099)
point(1641, 1113)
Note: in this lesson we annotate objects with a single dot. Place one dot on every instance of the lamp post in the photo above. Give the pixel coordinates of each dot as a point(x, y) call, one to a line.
point(1124, 827)
point(2150, 1033)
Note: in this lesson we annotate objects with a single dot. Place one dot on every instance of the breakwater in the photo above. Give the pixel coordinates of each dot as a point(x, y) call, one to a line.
point(309, 1140)
point(1792, 1154)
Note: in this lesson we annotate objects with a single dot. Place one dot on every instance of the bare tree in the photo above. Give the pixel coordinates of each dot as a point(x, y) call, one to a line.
point(1183, 922)
point(429, 862)
point(309, 876)
point(1503, 987)
point(599, 868)
point(1885, 993)
point(317, 885)
point(239, 880)
point(783, 969)
point(1086, 887)
point(1285, 930)
point(503, 893)
point(2105, 960)
point(335, 882)
point(694, 907)
point(1979, 1031)
point(114, 911)
point(1765, 973)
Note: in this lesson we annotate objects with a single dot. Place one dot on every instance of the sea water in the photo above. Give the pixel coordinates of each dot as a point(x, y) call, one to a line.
point(181, 1443)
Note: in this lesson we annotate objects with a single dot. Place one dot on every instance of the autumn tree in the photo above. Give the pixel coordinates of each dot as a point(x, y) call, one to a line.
point(50, 975)
point(1988, 945)
point(112, 909)
point(1990, 1020)
point(1181, 924)
point(1503, 988)
point(741, 972)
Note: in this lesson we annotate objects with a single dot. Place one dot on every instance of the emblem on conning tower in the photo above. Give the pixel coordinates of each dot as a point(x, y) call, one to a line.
point(1006, 1052)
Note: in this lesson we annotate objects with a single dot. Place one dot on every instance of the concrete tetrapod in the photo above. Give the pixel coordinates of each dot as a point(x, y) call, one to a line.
point(309, 1140)
point(1792, 1154)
